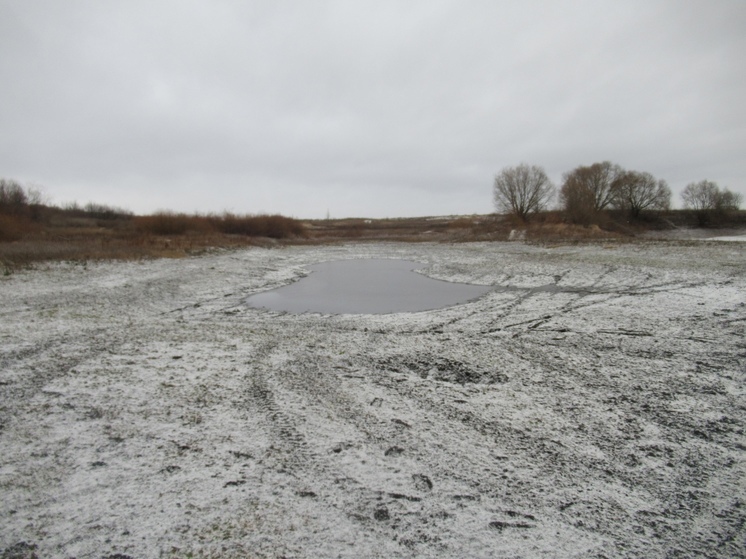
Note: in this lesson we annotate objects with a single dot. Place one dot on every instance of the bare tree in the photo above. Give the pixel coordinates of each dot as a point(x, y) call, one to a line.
point(701, 196)
point(729, 201)
point(13, 197)
point(522, 190)
point(636, 192)
point(37, 196)
point(586, 191)
point(708, 202)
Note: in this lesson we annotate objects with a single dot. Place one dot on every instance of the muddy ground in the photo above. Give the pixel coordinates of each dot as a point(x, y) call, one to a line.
point(146, 411)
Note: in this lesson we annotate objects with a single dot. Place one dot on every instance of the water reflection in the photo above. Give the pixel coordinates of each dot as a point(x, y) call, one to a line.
point(366, 287)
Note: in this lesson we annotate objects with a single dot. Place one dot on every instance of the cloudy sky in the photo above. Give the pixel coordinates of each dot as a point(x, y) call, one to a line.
point(358, 108)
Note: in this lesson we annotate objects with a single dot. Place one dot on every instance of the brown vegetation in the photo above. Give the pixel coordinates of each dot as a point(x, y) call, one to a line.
point(588, 192)
point(31, 231)
point(169, 224)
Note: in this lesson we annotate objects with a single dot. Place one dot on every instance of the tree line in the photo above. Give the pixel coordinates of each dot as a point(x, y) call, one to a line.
point(24, 210)
point(15, 199)
point(589, 191)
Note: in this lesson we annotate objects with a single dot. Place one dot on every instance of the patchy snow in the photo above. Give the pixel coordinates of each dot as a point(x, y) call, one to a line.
point(729, 238)
point(698, 234)
point(593, 407)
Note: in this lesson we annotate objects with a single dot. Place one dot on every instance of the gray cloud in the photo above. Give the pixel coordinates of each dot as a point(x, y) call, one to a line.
point(362, 108)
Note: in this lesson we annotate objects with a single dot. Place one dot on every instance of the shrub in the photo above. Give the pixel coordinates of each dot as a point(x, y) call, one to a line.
point(102, 211)
point(168, 223)
point(273, 226)
point(13, 198)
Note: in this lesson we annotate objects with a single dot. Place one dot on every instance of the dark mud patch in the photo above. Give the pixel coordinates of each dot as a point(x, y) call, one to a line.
point(443, 369)
point(21, 550)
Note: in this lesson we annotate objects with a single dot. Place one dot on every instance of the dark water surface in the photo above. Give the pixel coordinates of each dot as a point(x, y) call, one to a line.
point(366, 287)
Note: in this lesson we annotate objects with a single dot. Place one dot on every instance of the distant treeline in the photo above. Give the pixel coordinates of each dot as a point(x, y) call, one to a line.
point(24, 209)
point(592, 194)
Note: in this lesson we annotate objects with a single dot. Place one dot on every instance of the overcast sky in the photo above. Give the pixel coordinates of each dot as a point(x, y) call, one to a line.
point(360, 108)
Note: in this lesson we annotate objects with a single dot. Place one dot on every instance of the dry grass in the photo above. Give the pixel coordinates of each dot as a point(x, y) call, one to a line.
point(42, 233)
point(14, 227)
point(271, 226)
point(79, 235)
point(103, 246)
point(415, 229)
point(552, 232)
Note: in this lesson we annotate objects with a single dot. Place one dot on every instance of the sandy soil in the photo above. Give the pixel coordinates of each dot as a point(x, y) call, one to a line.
point(145, 411)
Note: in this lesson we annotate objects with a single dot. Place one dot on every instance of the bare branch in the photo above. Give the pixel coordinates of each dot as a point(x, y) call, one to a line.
point(522, 190)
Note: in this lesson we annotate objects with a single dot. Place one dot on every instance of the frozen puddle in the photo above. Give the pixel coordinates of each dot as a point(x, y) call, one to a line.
point(366, 287)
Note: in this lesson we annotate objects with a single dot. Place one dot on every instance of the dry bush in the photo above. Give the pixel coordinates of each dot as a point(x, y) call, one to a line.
point(462, 223)
point(14, 227)
point(98, 245)
point(168, 223)
point(272, 226)
point(73, 236)
point(554, 232)
point(550, 217)
point(280, 227)
point(106, 213)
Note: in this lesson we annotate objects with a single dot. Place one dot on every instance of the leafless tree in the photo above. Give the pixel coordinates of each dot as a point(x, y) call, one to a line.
point(522, 190)
point(701, 196)
point(13, 197)
point(708, 202)
point(729, 201)
point(636, 192)
point(37, 196)
point(587, 190)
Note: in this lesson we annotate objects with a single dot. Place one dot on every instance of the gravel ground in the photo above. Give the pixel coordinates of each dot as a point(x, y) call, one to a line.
point(592, 407)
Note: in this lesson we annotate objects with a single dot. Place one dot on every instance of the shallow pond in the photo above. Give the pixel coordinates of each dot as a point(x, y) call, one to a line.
point(366, 287)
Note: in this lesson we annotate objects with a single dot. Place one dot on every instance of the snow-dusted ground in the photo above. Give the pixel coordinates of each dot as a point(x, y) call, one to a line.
point(735, 238)
point(146, 412)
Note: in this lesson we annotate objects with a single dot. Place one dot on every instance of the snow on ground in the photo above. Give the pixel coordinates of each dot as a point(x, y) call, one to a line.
point(733, 238)
point(145, 411)
point(698, 234)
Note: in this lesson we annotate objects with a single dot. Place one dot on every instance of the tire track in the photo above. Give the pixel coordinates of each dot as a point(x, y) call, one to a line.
point(48, 360)
point(314, 471)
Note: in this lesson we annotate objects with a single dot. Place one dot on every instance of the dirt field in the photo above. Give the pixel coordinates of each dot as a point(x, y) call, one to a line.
point(145, 411)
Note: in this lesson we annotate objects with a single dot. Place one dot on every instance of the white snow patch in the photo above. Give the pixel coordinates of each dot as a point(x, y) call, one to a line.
point(146, 411)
